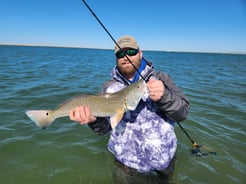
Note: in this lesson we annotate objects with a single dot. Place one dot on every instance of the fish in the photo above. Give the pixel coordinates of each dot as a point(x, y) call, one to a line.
point(112, 105)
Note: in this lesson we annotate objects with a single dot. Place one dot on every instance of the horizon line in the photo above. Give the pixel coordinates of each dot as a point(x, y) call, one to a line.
point(81, 47)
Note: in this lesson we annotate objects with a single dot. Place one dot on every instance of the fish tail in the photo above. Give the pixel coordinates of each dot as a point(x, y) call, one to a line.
point(42, 118)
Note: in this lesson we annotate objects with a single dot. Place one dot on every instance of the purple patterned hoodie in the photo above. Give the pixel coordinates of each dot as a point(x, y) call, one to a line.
point(145, 139)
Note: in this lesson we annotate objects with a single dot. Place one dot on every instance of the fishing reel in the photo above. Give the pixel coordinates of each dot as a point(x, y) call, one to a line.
point(196, 150)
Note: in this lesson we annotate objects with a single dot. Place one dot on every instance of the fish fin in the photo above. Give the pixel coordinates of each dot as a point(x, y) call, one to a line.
point(115, 119)
point(42, 118)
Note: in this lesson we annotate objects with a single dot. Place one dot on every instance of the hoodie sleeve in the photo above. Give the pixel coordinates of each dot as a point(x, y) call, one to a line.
point(101, 126)
point(174, 104)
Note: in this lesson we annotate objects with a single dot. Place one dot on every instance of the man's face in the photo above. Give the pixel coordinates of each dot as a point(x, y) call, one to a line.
point(126, 67)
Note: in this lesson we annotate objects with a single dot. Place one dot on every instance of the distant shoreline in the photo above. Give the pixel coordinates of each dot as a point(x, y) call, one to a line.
point(80, 47)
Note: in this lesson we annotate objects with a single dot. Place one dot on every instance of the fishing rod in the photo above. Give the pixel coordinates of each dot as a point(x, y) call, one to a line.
point(196, 148)
point(92, 12)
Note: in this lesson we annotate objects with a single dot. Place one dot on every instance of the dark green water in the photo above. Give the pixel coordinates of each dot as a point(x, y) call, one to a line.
point(66, 152)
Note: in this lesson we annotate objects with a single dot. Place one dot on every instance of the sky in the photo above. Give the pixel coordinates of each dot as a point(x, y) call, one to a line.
point(166, 25)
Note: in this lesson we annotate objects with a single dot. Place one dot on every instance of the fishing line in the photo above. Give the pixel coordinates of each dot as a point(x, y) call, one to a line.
point(92, 12)
point(196, 148)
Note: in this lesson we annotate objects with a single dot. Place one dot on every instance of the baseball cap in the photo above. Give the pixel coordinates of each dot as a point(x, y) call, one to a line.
point(126, 42)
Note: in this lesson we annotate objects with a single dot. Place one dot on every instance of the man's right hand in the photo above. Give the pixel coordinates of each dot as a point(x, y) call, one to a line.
point(81, 114)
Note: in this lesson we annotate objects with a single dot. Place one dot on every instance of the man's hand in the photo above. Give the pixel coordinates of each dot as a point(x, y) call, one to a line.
point(81, 114)
point(156, 89)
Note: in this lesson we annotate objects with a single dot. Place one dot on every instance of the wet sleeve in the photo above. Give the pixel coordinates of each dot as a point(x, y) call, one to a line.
point(174, 104)
point(101, 126)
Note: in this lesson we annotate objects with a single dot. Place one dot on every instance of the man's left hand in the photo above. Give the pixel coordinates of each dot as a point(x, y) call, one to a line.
point(156, 89)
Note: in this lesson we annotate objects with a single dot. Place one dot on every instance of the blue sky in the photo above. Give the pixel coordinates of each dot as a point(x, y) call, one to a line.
point(175, 25)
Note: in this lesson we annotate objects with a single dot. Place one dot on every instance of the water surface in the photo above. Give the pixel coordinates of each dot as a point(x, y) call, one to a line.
point(66, 152)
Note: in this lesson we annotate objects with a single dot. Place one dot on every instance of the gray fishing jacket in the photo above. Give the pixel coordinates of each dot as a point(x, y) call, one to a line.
point(145, 139)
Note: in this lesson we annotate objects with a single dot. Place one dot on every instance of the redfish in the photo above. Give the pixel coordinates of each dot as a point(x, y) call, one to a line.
point(111, 105)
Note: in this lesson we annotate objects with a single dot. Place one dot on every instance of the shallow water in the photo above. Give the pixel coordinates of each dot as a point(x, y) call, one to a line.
point(43, 77)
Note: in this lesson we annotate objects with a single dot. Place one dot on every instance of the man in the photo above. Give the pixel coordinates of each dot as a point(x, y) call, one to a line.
point(144, 139)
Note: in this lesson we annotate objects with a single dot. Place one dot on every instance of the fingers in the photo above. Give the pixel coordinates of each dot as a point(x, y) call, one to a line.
point(82, 115)
point(156, 89)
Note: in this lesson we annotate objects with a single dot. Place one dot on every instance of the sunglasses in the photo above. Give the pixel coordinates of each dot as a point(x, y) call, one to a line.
point(129, 52)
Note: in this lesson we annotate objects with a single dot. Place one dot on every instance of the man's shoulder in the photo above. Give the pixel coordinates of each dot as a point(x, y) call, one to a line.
point(112, 86)
point(160, 75)
point(108, 83)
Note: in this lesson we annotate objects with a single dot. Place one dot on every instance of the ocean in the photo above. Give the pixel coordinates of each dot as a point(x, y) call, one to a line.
point(66, 152)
